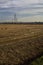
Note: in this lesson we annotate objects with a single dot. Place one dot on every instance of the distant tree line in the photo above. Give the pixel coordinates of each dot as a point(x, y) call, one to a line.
point(21, 22)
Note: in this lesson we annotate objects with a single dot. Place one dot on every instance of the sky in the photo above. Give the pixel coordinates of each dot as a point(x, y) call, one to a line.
point(26, 10)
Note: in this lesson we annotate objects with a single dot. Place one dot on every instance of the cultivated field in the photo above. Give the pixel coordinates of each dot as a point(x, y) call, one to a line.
point(20, 44)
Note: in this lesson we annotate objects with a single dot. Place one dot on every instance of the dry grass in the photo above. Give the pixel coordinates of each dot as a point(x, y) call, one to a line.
point(19, 43)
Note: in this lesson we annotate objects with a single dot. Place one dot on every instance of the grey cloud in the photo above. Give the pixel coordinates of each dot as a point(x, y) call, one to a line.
point(15, 3)
point(11, 3)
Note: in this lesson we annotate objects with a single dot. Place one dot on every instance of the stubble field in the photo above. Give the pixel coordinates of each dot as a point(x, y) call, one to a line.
point(20, 44)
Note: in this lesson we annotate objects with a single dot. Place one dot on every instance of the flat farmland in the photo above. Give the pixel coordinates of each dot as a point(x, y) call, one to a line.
point(20, 43)
point(12, 32)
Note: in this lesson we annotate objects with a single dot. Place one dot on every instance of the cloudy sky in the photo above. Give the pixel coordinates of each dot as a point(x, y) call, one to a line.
point(26, 10)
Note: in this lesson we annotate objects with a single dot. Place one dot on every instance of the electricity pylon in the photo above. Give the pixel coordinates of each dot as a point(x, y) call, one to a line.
point(15, 18)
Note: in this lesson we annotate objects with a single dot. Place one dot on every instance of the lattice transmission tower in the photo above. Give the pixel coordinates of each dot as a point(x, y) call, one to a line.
point(15, 18)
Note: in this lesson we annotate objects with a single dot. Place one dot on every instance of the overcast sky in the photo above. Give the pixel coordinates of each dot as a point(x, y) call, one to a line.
point(26, 10)
point(17, 3)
